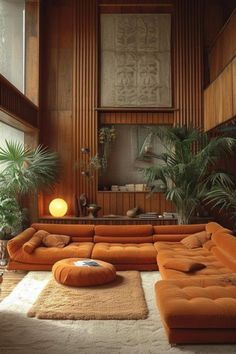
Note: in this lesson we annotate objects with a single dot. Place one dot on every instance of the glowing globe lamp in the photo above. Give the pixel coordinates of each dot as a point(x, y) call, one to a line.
point(58, 207)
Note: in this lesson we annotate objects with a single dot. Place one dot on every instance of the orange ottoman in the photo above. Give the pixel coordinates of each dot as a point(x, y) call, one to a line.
point(67, 273)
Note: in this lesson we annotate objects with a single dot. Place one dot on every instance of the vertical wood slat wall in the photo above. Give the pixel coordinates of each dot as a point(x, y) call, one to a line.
point(188, 62)
point(85, 116)
point(69, 94)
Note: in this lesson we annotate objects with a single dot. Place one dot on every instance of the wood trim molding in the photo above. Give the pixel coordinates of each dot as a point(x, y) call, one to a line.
point(13, 102)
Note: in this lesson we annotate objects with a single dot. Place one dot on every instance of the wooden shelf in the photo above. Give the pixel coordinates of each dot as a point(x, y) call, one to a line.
point(135, 109)
point(123, 220)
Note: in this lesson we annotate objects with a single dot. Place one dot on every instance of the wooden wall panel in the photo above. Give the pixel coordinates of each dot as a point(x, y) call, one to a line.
point(14, 103)
point(223, 49)
point(188, 63)
point(69, 70)
point(220, 100)
point(234, 87)
point(85, 95)
point(119, 203)
point(56, 94)
point(137, 118)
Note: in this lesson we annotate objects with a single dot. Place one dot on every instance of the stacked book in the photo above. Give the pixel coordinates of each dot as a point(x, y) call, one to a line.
point(150, 215)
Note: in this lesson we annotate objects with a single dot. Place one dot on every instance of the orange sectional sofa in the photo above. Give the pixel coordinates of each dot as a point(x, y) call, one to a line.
point(197, 294)
point(126, 246)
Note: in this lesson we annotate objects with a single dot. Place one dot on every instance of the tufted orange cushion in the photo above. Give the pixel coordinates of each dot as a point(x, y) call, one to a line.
point(198, 303)
point(183, 265)
point(167, 251)
point(58, 241)
point(196, 240)
point(35, 241)
point(67, 273)
point(130, 253)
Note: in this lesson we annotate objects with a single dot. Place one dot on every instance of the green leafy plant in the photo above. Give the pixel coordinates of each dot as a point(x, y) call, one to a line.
point(27, 169)
point(23, 170)
point(187, 171)
point(223, 198)
point(11, 216)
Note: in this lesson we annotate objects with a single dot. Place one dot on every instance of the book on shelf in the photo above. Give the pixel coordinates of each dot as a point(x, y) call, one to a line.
point(151, 215)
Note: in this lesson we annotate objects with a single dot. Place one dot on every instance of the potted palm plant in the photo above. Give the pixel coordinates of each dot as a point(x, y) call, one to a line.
point(187, 171)
point(224, 199)
point(23, 170)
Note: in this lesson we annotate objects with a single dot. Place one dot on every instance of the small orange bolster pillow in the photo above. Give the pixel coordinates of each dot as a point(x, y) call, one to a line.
point(59, 241)
point(183, 265)
point(35, 241)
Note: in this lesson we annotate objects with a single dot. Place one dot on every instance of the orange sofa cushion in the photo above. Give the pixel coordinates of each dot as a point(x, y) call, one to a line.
point(123, 233)
point(183, 265)
point(44, 255)
point(167, 251)
point(197, 303)
point(175, 233)
point(35, 241)
point(118, 253)
point(59, 241)
point(212, 227)
point(196, 240)
point(78, 233)
point(67, 273)
point(16, 243)
point(225, 248)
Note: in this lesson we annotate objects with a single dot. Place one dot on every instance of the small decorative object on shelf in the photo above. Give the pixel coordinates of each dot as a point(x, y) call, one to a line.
point(93, 210)
point(132, 212)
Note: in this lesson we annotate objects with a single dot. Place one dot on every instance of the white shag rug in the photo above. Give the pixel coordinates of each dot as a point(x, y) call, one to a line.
point(22, 335)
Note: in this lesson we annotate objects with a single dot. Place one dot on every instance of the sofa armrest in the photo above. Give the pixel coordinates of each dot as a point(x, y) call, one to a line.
point(17, 242)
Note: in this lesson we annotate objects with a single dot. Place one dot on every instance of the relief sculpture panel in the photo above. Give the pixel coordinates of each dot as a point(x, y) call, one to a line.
point(135, 60)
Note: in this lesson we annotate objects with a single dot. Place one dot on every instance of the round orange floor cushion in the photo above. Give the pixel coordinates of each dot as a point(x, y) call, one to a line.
point(67, 273)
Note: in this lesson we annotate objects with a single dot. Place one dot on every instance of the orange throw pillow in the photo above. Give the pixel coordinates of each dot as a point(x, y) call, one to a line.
point(184, 265)
point(59, 241)
point(35, 241)
point(196, 240)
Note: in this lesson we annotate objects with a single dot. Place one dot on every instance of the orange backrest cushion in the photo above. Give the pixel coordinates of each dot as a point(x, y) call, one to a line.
point(212, 227)
point(52, 240)
point(35, 241)
point(123, 233)
point(175, 233)
point(78, 233)
point(226, 242)
point(183, 265)
point(196, 240)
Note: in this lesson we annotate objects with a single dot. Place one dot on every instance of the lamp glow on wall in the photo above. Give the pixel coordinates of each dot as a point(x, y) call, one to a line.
point(58, 207)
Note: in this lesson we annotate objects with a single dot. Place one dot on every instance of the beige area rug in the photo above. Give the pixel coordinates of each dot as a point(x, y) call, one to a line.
point(20, 334)
point(123, 299)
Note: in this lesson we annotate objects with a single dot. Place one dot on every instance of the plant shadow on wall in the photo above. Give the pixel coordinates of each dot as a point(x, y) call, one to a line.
point(188, 174)
point(99, 162)
point(89, 167)
point(24, 170)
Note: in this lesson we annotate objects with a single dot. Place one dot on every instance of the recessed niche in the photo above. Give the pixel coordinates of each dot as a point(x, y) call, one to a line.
point(124, 160)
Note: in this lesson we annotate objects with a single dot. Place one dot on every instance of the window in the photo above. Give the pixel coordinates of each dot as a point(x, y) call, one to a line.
point(12, 41)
